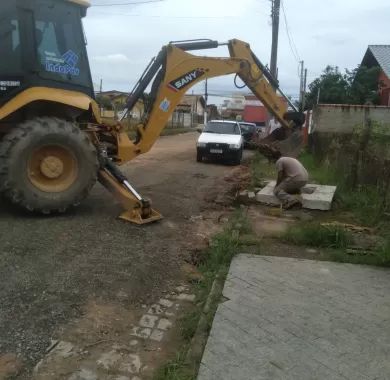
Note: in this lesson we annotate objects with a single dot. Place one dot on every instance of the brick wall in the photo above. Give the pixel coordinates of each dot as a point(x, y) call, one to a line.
point(345, 118)
point(385, 92)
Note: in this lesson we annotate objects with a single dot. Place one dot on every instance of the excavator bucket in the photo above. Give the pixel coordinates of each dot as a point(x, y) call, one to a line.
point(285, 141)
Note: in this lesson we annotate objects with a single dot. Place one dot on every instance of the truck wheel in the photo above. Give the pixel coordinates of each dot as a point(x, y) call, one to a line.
point(47, 165)
point(237, 159)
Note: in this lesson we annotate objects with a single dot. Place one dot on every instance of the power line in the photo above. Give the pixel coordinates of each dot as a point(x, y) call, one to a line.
point(291, 42)
point(128, 3)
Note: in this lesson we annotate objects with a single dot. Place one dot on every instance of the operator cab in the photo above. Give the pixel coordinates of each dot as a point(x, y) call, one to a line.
point(42, 44)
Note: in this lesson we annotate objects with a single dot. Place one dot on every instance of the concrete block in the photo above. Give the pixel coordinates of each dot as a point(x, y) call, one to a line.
point(320, 199)
point(164, 324)
point(186, 297)
point(148, 321)
point(266, 195)
point(251, 195)
point(155, 309)
point(165, 302)
point(140, 332)
point(157, 335)
point(287, 318)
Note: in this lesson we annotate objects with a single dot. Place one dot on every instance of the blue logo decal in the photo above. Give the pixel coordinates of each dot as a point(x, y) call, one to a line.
point(64, 65)
point(164, 105)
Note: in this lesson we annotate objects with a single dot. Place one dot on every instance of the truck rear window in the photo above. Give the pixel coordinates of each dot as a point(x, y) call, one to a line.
point(222, 128)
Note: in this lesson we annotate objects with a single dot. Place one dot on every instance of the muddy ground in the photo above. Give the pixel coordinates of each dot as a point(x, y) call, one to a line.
point(63, 271)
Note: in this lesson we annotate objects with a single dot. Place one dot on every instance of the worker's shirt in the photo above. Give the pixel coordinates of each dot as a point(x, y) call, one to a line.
point(292, 169)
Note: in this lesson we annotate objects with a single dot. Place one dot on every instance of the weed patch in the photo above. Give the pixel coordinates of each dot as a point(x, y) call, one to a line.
point(261, 169)
point(365, 203)
point(379, 258)
point(176, 369)
point(223, 247)
point(316, 235)
point(323, 174)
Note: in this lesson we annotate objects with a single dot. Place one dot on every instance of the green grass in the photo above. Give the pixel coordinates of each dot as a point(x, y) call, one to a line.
point(176, 369)
point(365, 202)
point(315, 235)
point(323, 174)
point(380, 257)
point(335, 240)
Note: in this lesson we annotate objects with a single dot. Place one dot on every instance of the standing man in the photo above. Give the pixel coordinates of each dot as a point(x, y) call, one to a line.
point(292, 177)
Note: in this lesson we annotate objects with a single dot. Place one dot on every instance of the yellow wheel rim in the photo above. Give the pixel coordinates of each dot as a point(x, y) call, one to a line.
point(52, 168)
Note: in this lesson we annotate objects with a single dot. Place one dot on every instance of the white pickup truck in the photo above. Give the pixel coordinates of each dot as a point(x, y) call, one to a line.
point(221, 139)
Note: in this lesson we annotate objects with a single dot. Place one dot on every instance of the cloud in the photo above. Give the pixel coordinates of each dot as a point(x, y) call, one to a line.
point(112, 58)
point(122, 40)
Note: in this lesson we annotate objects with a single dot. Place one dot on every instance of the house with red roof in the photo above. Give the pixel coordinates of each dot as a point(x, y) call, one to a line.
point(379, 56)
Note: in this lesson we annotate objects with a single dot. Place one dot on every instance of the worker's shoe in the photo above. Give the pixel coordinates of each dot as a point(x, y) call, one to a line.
point(287, 205)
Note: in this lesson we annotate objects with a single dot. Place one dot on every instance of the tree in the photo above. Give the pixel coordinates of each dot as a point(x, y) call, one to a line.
point(363, 85)
point(359, 86)
point(332, 85)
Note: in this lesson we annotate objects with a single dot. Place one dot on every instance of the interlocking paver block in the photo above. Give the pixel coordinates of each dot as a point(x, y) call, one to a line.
point(148, 321)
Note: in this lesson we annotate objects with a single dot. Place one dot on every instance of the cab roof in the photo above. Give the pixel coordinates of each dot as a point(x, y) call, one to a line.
point(84, 3)
point(224, 121)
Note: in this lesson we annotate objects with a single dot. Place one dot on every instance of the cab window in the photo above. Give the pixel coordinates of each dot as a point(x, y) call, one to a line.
point(59, 44)
point(10, 51)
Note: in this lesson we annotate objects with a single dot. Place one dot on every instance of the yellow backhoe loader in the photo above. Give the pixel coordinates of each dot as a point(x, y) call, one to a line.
point(53, 143)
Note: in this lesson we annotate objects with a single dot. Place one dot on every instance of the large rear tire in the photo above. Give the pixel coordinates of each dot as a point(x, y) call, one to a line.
point(47, 165)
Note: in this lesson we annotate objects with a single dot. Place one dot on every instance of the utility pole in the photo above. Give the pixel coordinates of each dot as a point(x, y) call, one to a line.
point(318, 94)
point(304, 90)
point(206, 95)
point(302, 66)
point(275, 12)
point(275, 37)
point(101, 90)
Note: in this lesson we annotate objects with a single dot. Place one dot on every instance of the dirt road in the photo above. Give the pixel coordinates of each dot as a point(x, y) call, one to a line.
point(52, 267)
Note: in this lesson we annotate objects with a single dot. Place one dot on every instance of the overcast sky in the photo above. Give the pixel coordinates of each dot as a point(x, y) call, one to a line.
point(123, 39)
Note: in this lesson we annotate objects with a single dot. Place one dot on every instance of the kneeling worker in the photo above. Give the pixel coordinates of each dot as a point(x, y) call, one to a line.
point(292, 177)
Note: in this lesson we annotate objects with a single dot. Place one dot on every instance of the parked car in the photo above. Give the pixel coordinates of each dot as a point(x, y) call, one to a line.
point(221, 139)
point(249, 132)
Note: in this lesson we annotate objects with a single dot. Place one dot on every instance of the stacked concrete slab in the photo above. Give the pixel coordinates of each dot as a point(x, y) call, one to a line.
point(320, 199)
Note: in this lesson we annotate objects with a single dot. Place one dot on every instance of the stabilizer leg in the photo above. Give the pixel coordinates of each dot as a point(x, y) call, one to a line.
point(137, 209)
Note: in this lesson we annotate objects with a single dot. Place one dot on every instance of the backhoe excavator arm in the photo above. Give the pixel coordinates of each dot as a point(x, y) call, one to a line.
point(170, 75)
point(175, 70)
